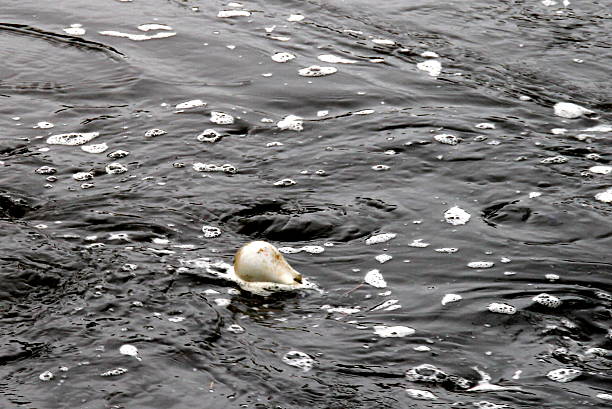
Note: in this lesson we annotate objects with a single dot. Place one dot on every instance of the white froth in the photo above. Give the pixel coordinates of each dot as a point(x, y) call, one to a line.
point(115, 168)
point(299, 360)
point(547, 300)
point(604, 396)
point(601, 169)
point(307, 249)
point(291, 123)
point(209, 135)
point(295, 18)
point(449, 298)
point(317, 71)
point(74, 31)
point(383, 41)
point(447, 139)
point(429, 54)
point(447, 250)
point(569, 110)
point(383, 258)
point(211, 167)
point(554, 160)
point(375, 279)
point(221, 118)
point(211, 231)
point(44, 125)
point(421, 394)
point(131, 350)
point(154, 26)
point(114, 372)
point(46, 170)
point(154, 132)
point(233, 13)
point(333, 59)
point(285, 182)
point(72, 139)
point(599, 128)
point(533, 195)
point(380, 238)
point(605, 196)
point(432, 67)
point(95, 148)
point(235, 328)
point(379, 168)
point(176, 319)
point(341, 310)
point(485, 125)
point(563, 374)
point(398, 331)
point(194, 103)
point(456, 216)
point(82, 176)
point(480, 264)
point(137, 37)
point(418, 243)
point(364, 112)
point(282, 57)
point(222, 302)
point(501, 308)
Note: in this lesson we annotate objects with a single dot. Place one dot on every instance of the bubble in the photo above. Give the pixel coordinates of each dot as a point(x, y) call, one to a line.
point(456, 216)
point(115, 168)
point(153, 26)
point(44, 125)
point(447, 139)
point(81, 176)
point(291, 122)
point(383, 41)
point(501, 308)
point(221, 118)
point(194, 103)
point(449, 298)
point(383, 258)
point(547, 300)
point(375, 279)
point(418, 243)
point(380, 167)
point(485, 125)
point(569, 110)
point(131, 350)
point(72, 139)
point(554, 160)
point(448, 250)
point(380, 238)
point(285, 182)
point(211, 231)
point(317, 71)
point(154, 132)
point(209, 135)
point(564, 374)
point(136, 37)
point(332, 59)
point(118, 154)
point(45, 170)
point(421, 394)
point(114, 372)
point(605, 196)
point(235, 328)
point(46, 376)
point(480, 264)
point(209, 167)
point(282, 57)
point(432, 67)
point(299, 360)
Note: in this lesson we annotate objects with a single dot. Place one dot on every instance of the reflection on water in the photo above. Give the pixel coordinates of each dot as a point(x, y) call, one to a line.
point(439, 170)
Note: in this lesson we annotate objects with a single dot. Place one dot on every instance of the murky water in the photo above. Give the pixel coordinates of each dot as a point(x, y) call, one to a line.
point(415, 160)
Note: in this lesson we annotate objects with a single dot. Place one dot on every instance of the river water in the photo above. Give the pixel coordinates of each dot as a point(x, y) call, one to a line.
point(116, 223)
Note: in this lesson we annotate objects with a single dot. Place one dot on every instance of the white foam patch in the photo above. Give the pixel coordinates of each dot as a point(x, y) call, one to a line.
point(547, 300)
point(118, 154)
point(447, 139)
point(483, 404)
point(280, 38)
point(72, 139)
point(282, 57)
point(456, 216)
point(375, 279)
point(137, 37)
point(95, 148)
point(432, 67)
point(449, 298)
point(131, 350)
point(379, 168)
point(398, 331)
point(295, 18)
point(115, 168)
point(599, 128)
point(601, 169)
point(291, 123)
point(333, 59)
point(299, 360)
point(74, 30)
point(429, 54)
point(418, 243)
point(317, 71)
point(564, 374)
point(341, 310)
point(604, 396)
point(233, 13)
point(480, 264)
point(176, 319)
point(605, 196)
point(222, 302)
point(380, 238)
point(422, 348)
point(421, 394)
point(389, 305)
point(46, 376)
point(553, 160)
point(448, 250)
point(235, 328)
point(114, 372)
point(570, 111)
point(209, 135)
point(44, 125)
point(154, 26)
point(501, 308)
point(46, 170)
point(211, 167)
point(285, 182)
point(307, 249)
point(533, 195)
point(221, 118)
point(154, 132)
point(364, 112)
point(383, 258)
point(194, 103)
point(82, 176)
point(485, 125)
point(383, 41)
point(211, 231)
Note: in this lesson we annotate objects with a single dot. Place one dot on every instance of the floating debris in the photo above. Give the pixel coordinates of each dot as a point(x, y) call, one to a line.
point(432, 67)
point(114, 372)
point(375, 279)
point(195, 103)
point(421, 394)
point(211, 231)
point(449, 298)
point(501, 308)
point(154, 132)
point(299, 360)
point(547, 300)
point(72, 139)
point(564, 374)
point(130, 350)
point(570, 111)
point(291, 123)
point(233, 13)
point(380, 238)
point(480, 264)
point(456, 216)
point(398, 331)
point(317, 71)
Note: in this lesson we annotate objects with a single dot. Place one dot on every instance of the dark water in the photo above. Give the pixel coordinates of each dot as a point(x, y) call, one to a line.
point(90, 266)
